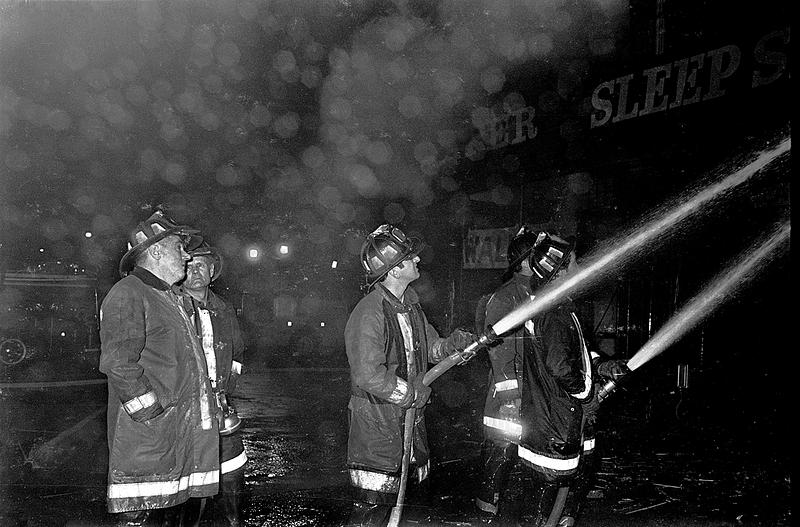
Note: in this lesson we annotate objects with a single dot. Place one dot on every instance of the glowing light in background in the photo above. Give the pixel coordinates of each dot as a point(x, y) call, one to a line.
point(334, 264)
point(289, 323)
point(283, 249)
point(87, 234)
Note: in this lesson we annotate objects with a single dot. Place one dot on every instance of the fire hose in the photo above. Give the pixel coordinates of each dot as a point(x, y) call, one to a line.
point(454, 359)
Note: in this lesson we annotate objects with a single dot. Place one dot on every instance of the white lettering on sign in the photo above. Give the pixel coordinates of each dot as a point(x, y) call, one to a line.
point(686, 81)
point(509, 129)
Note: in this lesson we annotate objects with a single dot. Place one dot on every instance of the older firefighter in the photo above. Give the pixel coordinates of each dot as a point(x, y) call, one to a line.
point(218, 328)
point(163, 439)
point(541, 377)
point(389, 346)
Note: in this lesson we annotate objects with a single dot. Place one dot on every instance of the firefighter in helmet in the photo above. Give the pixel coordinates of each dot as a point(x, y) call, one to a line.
point(389, 345)
point(541, 381)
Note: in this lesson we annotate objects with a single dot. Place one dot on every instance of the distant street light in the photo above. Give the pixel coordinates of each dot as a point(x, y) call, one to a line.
point(284, 249)
point(252, 253)
point(289, 323)
point(87, 234)
point(334, 264)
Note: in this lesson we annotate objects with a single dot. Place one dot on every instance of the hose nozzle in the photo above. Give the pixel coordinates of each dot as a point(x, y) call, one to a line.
point(482, 342)
point(606, 390)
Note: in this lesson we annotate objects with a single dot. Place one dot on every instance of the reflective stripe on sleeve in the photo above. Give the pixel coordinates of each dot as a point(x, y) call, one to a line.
point(233, 464)
point(138, 403)
point(423, 471)
point(508, 428)
point(594, 355)
point(588, 445)
point(508, 384)
point(162, 488)
point(236, 367)
point(559, 465)
point(377, 481)
point(399, 392)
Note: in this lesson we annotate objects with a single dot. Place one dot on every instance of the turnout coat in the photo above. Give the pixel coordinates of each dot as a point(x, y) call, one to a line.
point(153, 360)
point(229, 361)
point(506, 359)
point(379, 372)
point(558, 379)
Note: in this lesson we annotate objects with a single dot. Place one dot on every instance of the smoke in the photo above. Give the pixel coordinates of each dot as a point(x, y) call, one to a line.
point(402, 103)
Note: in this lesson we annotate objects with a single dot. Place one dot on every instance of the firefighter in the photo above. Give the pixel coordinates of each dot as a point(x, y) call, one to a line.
point(163, 440)
point(540, 379)
point(389, 345)
point(218, 329)
point(501, 423)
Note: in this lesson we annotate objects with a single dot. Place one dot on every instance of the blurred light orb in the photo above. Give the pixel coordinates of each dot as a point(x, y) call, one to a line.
point(313, 157)
point(425, 152)
point(287, 125)
point(283, 249)
point(395, 39)
point(363, 178)
point(284, 61)
point(410, 106)
point(377, 153)
point(228, 53)
point(87, 234)
point(492, 80)
point(340, 109)
point(311, 77)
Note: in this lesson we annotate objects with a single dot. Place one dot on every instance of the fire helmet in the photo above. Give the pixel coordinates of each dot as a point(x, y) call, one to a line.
point(519, 248)
point(550, 253)
point(385, 248)
point(204, 249)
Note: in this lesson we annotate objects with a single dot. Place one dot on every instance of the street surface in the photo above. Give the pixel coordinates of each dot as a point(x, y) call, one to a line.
point(661, 465)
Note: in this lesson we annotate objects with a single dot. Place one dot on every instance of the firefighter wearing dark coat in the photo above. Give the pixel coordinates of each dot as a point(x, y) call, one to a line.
point(218, 328)
point(501, 424)
point(162, 435)
point(389, 345)
point(541, 376)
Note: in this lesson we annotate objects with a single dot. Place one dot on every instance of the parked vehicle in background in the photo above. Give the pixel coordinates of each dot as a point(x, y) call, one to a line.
point(49, 323)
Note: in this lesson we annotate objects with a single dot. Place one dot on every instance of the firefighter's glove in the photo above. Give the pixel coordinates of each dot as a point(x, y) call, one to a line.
point(421, 392)
point(509, 411)
point(592, 406)
point(458, 340)
point(612, 369)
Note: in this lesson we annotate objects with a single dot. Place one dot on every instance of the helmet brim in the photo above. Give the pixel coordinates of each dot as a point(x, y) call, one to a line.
point(417, 246)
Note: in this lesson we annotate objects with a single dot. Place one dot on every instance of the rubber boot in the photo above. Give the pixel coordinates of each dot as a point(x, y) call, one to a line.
point(231, 499)
point(498, 460)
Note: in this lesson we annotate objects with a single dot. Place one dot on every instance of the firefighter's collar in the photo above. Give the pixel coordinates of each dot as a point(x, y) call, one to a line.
point(150, 279)
point(409, 297)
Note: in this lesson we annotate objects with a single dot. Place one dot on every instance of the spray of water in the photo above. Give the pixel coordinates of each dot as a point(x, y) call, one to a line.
point(707, 300)
point(627, 247)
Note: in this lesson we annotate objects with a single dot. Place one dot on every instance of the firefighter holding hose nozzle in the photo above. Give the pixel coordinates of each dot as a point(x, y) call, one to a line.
point(389, 345)
point(541, 381)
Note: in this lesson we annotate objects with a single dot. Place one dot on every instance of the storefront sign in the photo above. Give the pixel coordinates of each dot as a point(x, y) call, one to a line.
point(486, 248)
point(701, 77)
point(509, 129)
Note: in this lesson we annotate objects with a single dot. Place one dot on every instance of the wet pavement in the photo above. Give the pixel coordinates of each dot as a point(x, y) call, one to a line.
point(662, 463)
